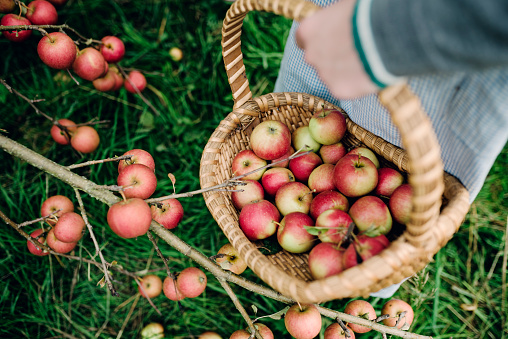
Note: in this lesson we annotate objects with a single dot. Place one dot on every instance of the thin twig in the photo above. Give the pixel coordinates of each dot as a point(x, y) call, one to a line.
point(164, 260)
point(138, 92)
point(95, 162)
point(30, 101)
point(30, 222)
point(146, 296)
point(97, 247)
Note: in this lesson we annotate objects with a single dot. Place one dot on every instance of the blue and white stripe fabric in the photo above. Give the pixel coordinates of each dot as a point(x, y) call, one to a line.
point(469, 111)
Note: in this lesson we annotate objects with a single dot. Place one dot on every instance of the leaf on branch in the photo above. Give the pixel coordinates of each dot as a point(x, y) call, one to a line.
point(102, 282)
point(173, 180)
point(275, 316)
point(255, 309)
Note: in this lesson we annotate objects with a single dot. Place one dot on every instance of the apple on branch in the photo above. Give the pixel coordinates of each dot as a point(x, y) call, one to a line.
point(57, 50)
point(191, 282)
point(35, 250)
point(112, 48)
point(59, 203)
point(89, 64)
point(130, 218)
point(15, 20)
point(168, 213)
point(85, 139)
point(151, 286)
point(7, 6)
point(139, 181)
point(398, 309)
point(363, 309)
point(60, 136)
point(229, 259)
point(303, 321)
point(262, 329)
point(42, 12)
point(335, 331)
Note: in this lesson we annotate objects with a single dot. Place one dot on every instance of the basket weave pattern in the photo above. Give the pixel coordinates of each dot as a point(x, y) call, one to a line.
point(432, 222)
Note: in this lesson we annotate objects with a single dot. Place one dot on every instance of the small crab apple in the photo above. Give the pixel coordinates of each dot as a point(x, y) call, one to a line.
point(270, 139)
point(7, 6)
point(258, 220)
point(335, 331)
point(170, 290)
point(327, 200)
point(325, 260)
point(303, 321)
point(89, 64)
point(135, 80)
point(363, 309)
point(69, 227)
point(57, 50)
point(168, 213)
point(274, 178)
point(35, 250)
point(85, 139)
point(229, 259)
point(57, 245)
point(129, 218)
point(112, 48)
point(250, 192)
point(59, 135)
point(42, 12)
point(191, 282)
point(152, 331)
point(139, 156)
point(151, 286)
point(247, 161)
point(59, 203)
point(292, 234)
point(396, 309)
point(139, 181)
point(15, 20)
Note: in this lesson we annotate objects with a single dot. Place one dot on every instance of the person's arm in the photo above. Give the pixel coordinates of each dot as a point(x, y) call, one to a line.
point(358, 47)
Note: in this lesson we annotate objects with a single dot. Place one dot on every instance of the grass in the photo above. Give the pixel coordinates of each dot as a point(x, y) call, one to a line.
point(461, 294)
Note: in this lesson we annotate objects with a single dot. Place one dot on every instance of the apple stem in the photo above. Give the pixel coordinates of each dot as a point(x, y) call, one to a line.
point(123, 195)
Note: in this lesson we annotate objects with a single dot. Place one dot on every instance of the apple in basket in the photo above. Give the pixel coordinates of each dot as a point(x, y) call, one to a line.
point(270, 139)
point(327, 200)
point(247, 161)
point(293, 197)
point(325, 260)
point(355, 175)
point(292, 234)
point(327, 126)
point(364, 247)
point(332, 153)
point(274, 178)
point(321, 178)
point(332, 226)
point(388, 180)
point(366, 152)
point(303, 166)
point(245, 194)
point(258, 220)
point(371, 215)
point(302, 140)
point(400, 203)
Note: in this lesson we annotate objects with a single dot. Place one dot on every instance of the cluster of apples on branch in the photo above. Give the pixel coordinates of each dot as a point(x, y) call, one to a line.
point(338, 205)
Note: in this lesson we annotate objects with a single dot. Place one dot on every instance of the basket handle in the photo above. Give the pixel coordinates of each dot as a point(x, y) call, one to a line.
point(418, 137)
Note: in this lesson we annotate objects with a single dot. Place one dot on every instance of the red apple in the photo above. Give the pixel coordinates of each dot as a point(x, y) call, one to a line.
point(139, 181)
point(335, 331)
point(135, 80)
point(303, 141)
point(85, 139)
point(325, 260)
point(42, 12)
point(209, 335)
point(15, 20)
point(59, 135)
point(151, 286)
point(230, 259)
point(89, 64)
point(106, 82)
point(171, 290)
point(303, 321)
point(365, 152)
point(119, 80)
point(139, 156)
point(327, 200)
point(397, 308)
point(388, 180)
point(57, 245)
point(284, 157)
point(371, 215)
point(191, 282)
point(262, 329)
point(293, 197)
point(364, 247)
point(274, 178)
point(112, 48)
point(7, 6)
point(363, 309)
point(292, 235)
point(270, 139)
point(130, 218)
point(332, 153)
point(355, 175)
point(168, 213)
point(258, 220)
point(303, 166)
point(321, 178)
point(55, 203)
point(57, 50)
point(35, 250)
point(332, 226)
point(400, 203)
point(251, 192)
point(247, 161)
point(327, 126)
point(69, 227)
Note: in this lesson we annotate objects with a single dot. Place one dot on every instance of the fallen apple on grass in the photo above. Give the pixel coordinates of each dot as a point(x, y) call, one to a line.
point(152, 331)
point(398, 309)
point(135, 82)
point(191, 282)
point(151, 286)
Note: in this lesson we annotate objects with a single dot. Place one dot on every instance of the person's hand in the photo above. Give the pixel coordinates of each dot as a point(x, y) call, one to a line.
point(327, 41)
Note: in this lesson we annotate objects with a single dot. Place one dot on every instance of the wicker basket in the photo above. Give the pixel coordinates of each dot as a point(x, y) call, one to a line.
point(440, 202)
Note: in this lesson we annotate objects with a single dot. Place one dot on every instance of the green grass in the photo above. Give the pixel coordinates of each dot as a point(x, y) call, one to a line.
point(460, 295)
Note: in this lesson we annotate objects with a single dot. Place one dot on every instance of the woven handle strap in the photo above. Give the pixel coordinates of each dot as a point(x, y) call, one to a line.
point(419, 140)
